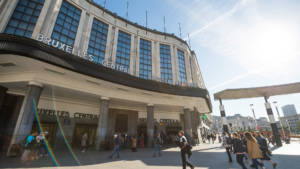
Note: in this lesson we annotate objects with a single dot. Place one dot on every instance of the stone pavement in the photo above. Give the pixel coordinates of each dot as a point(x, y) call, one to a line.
point(205, 156)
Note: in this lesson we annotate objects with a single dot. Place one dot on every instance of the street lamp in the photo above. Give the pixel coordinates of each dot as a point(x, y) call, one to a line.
point(275, 103)
point(251, 106)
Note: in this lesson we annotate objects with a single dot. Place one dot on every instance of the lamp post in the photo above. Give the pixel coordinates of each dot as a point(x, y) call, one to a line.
point(275, 103)
point(251, 106)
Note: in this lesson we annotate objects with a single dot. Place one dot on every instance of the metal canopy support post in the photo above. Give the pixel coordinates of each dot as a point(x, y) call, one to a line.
point(223, 116)
point(273, 123)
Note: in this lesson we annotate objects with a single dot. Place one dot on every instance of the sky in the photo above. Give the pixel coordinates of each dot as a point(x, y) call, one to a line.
point(239, 43)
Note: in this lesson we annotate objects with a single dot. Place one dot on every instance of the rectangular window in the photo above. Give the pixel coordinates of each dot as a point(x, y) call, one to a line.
point(165, 64)
point(145, 59)
point(181, 66)
point(123, 50)
point(24, 18)
point(66, 25)
point(98, 37)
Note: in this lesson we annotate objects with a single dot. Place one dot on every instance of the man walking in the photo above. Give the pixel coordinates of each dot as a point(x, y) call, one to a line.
point(157, 143)
point(185, 149)
point(117, 144)
point(227, 144)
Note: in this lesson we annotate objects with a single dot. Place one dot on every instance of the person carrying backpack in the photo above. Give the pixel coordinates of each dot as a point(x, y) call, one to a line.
point(263, 145)
point(29, 147)
point(185, 149)
point(227, 142)
point(239, 149)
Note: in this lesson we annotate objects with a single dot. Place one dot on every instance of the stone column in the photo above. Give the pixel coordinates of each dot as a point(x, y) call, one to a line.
point(84, 18)
point(102, 123)
point(150, 124)
point(27, 113)
point(137, 59)
point(187, 123)
point(7, 9)
point(156, 60)
point(176, 65)
point(132, 123)
point(273, 123)
point(173, 62)
point(188, 67)
point(50, 20)
point(41, 19)
point(223, 116)
point(114, 45)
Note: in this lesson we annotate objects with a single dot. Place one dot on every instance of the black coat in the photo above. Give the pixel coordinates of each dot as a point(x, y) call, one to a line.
point(238, 146)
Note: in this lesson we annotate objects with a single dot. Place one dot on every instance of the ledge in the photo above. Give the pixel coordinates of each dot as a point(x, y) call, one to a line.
point(11, 44)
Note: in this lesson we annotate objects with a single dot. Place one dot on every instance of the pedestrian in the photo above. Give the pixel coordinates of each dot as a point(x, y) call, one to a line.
point(253, 149)
point(208, 138)
point(142, 141)
point(219, 138)
point(40, 142)
point(239, 148)
point(185, 149)
point(265, 149)
point(157, 144)
point(133, 144)
point(30, 142)
point(84, 139)
point(117, 144)
point(227, 142)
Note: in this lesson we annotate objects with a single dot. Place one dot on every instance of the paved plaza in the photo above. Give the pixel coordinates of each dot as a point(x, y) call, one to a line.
point(205, 156)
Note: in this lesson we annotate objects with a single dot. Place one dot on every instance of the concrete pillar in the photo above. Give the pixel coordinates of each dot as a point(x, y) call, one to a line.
point(41, 19)
point(187, 123)
point(114, 45)
point(137, 60)
point(84, 43)
point(273, 123)
point(132, 54)
point(102, 123)
point(109, 42)
point(132, 123)
point(223, 116)
point(7, 9)
point(173, 62)
point(155, 60)
point(84, 18)
point(27, 113)
point(50, 19)
point(188, 68)
point(150, 124)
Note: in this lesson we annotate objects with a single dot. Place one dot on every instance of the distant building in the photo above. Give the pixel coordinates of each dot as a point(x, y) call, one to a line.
point(289, 110)
point(237, 121)
point(263, 123)
point(291, 121)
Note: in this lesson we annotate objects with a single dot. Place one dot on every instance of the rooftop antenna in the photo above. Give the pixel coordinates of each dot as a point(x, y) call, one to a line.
point(179, 30)
point(189, 40)
point(104, 5)
point(127, 5)
point(165, 26)
point(146, 22)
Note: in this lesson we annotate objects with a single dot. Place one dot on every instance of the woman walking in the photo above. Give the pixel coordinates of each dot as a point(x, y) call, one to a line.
point(239, 149)
point(264, 148)
point(253, 150)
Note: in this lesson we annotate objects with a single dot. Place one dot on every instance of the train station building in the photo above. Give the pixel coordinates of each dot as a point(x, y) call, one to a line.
point(72, 66)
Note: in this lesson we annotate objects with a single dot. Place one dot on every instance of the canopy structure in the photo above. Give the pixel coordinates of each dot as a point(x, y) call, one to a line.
point(266, 91)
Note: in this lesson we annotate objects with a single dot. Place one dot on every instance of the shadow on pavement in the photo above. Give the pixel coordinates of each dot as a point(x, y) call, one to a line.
point(212, 158)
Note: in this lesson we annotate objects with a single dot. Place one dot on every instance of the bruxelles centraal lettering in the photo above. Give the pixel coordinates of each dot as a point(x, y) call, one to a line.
point(80, 53)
